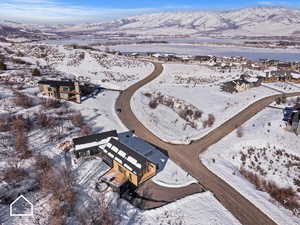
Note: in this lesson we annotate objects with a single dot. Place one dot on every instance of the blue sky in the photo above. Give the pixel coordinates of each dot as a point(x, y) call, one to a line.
point(79, 11)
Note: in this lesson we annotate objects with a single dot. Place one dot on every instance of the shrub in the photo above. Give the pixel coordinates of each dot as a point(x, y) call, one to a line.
point(77, 119)
point(43, 164)
point(36, 72)
point(278, 101)
point(211, 119)
point(285, 196)
point(19, 124)
point(13, 174)
point(4, 125)
point(148, 95)
point(86, 130)
point(239, 132)
point(153, 104)
point(23, 100)
point(198, 114)
point(45, 121)
point(21, 144)
point(50, 103)
point(3, 66)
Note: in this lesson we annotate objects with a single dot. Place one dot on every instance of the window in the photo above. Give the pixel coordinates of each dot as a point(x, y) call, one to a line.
point(121, 169)
point(130, 177)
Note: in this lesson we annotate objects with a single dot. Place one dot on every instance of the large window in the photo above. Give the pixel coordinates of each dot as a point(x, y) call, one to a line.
point(121, 169)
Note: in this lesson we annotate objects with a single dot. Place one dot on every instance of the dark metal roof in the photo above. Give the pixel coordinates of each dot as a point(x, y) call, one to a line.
point(57, 83)
point(129, 152)
point(95, 137)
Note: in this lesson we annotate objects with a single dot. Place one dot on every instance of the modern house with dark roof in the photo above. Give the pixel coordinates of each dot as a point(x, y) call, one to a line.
point(90, 145)
point(126, 165)
point(67, 90)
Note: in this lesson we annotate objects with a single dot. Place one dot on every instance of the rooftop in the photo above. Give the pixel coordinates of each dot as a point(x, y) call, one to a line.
point(94, 137)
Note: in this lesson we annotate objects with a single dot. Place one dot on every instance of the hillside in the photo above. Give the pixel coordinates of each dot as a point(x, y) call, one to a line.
point(260, 21)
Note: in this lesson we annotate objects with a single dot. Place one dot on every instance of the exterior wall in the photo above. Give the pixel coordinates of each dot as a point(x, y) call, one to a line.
point(150, 172)
point(71, 93)
point(133, 178)
point(48, 90)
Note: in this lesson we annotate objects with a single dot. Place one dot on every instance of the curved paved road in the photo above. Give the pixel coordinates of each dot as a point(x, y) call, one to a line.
point(187, 156)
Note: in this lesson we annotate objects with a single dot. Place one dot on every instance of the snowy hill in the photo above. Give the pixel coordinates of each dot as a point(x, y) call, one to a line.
point(260, 21)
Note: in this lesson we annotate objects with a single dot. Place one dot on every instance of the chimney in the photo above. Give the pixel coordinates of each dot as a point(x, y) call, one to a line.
point(77, 92)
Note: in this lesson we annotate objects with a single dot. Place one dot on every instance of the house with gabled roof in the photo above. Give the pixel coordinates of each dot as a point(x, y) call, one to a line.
point(90, 145)
point(126, 165)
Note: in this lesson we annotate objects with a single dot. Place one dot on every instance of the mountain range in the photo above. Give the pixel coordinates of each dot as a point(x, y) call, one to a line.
point(259, 21)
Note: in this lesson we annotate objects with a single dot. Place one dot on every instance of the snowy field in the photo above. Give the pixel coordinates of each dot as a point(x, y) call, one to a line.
point(107, 70)
point(263, 147)
point(197, 209)
point(205, 97)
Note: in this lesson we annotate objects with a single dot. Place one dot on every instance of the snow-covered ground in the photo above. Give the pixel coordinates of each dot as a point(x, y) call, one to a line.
point(266, 149)
point(100, 112)
point(107, 70)
point(284, 87)
point(197, 209)
point(205, 95)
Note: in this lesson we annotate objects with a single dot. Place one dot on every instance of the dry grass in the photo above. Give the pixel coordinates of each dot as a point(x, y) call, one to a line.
point(23, 100)
point(287, 197)
point(49, 103)
point(77, 119)
point(14, 174)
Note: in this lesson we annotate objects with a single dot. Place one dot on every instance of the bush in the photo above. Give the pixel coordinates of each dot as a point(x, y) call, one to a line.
point(211, 120)
point(86, 130)
point(21, 144)
point(148, 95)
point(43, 164)
point(239, 132)
point(153, 104)
point(77, 119)
point(4, 125)
point(3, 66)
point(50, 103)
point(45, 121)
point(23, 100)
point(198, 114)
point(13, 174)
point(19, 124)
point(285, 196)
point(36, 72)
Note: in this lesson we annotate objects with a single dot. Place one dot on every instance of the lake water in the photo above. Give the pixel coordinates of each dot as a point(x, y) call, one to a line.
point(188, 49)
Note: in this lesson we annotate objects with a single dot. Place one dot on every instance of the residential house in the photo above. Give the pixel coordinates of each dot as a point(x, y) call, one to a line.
point(65, 89)
point(127, 165)
point(291, 115)
point(89, 145)
point(242, 84)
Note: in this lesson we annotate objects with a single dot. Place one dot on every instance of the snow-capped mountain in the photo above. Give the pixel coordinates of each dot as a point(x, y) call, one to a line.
point(260, 21)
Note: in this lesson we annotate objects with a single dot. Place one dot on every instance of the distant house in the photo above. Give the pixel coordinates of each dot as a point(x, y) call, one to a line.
point(90, 145)
point(281, 76)
point(126, 165)
point(291, 115)
point(67, 90)
point(241, 84)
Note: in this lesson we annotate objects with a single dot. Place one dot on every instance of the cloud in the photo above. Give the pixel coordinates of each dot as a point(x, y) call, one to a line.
point(51, 11)
point(274, 3)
